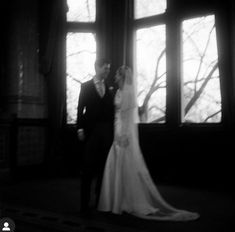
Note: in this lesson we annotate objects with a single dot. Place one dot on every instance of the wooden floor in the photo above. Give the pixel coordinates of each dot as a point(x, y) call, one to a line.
point(53, 205)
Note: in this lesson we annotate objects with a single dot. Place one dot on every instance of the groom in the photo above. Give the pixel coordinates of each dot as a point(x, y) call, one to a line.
point(95, 122)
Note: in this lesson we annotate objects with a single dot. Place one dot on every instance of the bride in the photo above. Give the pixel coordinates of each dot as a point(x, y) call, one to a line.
point(127, 185)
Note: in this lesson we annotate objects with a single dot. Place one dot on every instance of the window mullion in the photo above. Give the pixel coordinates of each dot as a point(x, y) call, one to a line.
point(227, 102)
point(173, 64)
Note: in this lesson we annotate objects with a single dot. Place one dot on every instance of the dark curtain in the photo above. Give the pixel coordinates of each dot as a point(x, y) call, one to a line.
point(4, 25)
point(52, 65)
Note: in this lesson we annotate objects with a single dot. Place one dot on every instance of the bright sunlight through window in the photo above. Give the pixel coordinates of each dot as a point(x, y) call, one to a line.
point(80, 53)
point(201, 86)
point(81, 10)
point(150, 69)
point(146, 8)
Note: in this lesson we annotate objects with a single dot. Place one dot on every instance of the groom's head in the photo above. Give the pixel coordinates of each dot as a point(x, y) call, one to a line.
point(102, 68)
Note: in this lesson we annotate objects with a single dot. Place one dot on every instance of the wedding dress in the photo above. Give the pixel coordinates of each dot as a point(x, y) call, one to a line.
point(127, 185)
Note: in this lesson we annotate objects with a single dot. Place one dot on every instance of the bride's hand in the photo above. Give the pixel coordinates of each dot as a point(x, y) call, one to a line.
point(123, 141)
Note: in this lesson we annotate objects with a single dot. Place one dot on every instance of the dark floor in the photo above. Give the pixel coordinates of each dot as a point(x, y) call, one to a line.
point(53, 205)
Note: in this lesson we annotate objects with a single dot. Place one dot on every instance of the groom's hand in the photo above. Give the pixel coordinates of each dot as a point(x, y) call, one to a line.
point(81, 134)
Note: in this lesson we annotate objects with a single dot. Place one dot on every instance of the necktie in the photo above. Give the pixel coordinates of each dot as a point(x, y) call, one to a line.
point(100, 88)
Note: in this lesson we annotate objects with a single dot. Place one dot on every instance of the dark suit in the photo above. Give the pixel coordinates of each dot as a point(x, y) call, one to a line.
point(96, 117)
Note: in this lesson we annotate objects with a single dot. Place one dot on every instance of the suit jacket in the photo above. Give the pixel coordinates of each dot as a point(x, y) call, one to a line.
point(93, 109)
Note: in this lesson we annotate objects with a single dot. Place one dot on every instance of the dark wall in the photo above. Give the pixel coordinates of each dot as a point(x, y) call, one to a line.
point(3, 53)
point(191, 157)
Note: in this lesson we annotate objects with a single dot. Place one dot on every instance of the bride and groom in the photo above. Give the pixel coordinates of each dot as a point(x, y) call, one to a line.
point(107, 123)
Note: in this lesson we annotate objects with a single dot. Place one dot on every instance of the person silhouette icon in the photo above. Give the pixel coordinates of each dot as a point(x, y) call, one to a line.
point(7, 224)
point(6, 227)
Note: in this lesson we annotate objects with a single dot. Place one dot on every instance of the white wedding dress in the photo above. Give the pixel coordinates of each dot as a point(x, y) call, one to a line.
point(127, 185)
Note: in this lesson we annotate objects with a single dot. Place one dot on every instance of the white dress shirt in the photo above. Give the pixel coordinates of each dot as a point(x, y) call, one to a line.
point(100, 86)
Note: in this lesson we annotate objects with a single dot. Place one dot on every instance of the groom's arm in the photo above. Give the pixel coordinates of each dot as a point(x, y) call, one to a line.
point(80, 109)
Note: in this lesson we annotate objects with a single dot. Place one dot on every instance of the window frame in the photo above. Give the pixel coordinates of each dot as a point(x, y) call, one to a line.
point(173, 18)
point(102, 27)
point(77, 27)
point(108, 39)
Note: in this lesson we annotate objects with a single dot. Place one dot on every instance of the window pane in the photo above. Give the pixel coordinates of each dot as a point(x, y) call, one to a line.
point(150, 68)
point(81, 55)
point(81, 10)
point(201, 86)
point(146, 8)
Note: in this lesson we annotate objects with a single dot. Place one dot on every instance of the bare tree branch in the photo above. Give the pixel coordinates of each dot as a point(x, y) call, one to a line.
point(88, 9)
point(74, 79)
point(157, 108)
point(212, 115)
point(153, 87)
point(199, 80)
point(202, 57)
point(79, 52)
point(199, 92)
point(161, 119)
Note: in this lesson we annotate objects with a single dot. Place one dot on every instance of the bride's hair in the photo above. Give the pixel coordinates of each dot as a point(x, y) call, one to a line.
point(126, 73)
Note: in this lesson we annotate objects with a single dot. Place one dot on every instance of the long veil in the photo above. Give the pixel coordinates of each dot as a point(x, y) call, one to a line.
point(129, 129)
point(129, 106)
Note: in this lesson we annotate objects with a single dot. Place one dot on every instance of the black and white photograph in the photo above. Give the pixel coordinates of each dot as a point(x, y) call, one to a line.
point(117, 115)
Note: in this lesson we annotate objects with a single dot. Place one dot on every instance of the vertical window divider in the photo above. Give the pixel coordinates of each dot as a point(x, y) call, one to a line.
point(225, 68)
point(173, 67)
